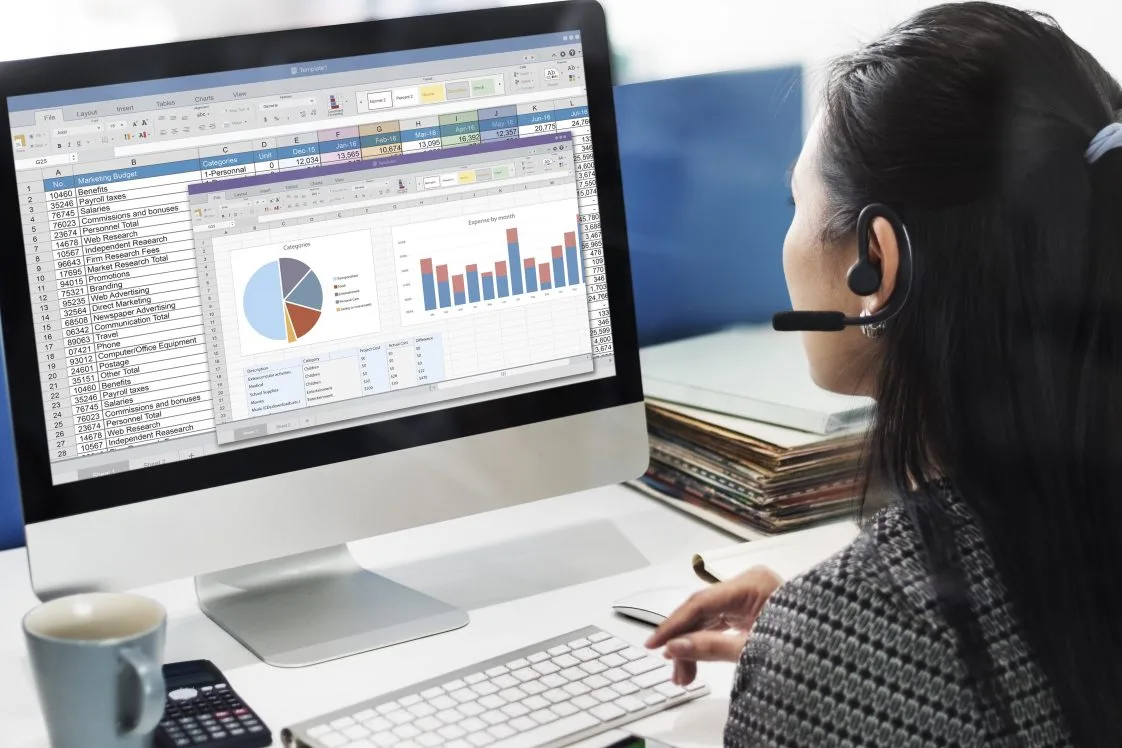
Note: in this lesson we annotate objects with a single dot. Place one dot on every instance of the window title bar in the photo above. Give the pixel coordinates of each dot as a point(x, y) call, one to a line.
point(71, 97)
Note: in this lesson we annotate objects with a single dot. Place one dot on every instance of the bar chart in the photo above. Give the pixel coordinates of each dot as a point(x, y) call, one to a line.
point(483, 261)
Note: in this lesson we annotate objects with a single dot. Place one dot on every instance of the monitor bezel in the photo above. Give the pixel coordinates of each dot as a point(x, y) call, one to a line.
point(43, 501)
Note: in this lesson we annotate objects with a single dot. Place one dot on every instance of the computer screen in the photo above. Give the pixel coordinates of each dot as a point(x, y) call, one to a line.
point(230, 259)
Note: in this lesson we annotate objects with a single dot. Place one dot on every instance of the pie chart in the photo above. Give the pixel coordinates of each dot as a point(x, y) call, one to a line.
point(283, 300)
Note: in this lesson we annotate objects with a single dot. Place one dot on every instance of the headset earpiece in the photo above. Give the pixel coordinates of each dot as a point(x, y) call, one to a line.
point(863, 278)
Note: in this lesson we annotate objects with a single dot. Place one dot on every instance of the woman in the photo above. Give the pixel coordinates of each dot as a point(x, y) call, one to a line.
point(984, 607)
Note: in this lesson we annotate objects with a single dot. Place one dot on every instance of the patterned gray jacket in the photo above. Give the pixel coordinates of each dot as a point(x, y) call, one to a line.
point(856, 653)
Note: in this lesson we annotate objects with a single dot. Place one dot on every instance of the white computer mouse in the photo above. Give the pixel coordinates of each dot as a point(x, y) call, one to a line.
point(652, 606)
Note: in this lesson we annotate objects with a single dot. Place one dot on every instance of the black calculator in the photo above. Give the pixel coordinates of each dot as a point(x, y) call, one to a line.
point(203, 710)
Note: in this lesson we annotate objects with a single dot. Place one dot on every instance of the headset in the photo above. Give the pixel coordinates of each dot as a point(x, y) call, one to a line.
point(863, 279)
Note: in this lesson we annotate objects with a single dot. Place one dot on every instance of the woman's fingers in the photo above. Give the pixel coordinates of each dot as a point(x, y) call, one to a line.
point(707, 646)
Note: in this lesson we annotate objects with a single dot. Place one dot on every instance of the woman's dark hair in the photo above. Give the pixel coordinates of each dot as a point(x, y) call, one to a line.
point(1003, 374)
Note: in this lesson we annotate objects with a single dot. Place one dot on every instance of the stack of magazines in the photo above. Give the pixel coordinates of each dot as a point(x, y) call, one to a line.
point(795, 463)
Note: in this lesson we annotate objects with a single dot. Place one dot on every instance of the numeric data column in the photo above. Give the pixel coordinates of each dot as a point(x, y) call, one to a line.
point(49, 338)
point(77, 319)
point(571, 115)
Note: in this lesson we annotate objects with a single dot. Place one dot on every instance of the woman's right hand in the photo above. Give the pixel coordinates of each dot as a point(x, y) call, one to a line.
point(714, 623)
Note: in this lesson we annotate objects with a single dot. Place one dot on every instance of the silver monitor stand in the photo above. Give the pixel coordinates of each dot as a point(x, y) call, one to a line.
point(317, 606)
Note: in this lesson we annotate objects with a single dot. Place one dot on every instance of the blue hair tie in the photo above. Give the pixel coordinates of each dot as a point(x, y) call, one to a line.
point(1109, 138)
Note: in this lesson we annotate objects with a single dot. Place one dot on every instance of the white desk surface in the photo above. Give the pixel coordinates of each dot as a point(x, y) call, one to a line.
point(572, 555)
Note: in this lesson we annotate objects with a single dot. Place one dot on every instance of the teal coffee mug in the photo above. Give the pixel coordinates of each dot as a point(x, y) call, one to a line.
point(97, 662)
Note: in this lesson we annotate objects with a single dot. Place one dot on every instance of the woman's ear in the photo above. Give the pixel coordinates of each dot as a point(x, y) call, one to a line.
point(884, 252)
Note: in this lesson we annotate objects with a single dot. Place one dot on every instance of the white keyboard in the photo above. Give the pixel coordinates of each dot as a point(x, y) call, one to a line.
point(551, 694)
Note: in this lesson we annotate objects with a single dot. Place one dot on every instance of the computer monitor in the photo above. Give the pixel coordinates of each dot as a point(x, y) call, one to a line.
point(283, 291)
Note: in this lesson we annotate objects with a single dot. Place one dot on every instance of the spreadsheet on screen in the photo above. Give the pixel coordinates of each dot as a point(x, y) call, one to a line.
point(228, 259)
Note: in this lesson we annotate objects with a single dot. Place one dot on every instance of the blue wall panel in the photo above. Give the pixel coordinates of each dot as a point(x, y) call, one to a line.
point(705, 162)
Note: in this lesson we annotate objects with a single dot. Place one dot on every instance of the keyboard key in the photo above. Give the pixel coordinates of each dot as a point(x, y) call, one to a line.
point(558, 650)
point(533, 688)
point(599, 636)
point(406, 731)
point(493, 717)
point(429, 740)
point(651, 698)
point(564, 709)
point(513, 694)
point(546, 734)
point(492, 702)
point(585, 655)
point(333, 740)
point(633, 653)
point(354, 732)
point(362, 743)
point(341, 723)
point(431, 693)
point(474, 678)
point(538, 657)
point(429, 724)
point(450, 732)
point(585, 702)
point(495, 672)
point(443, 701)
point(604, 695)
point(464, 695)
point(473, 724)
point(454, 685)
point(669, 690)
point(502, 732)
point(517, 664)
point(515, 710)
point(505, 681)
point(695, 686)
point(449, 716)
point(400, 717)
point(472, 710)
point(522, 724)
point(534, 703)
point(609, 646)
point(638, 667)
point(383, 740)
point(613, 660)
point(421, 710)
point(654, 677)
point(318, 730)
point(389, 706)
point(573, 673)
point(625, 688)
point(480, 739)
point(378, 724)
point(615, 675)
point(593, 667)
point(553, 681)
point(485, 688)
point(606, 712)
point(410, 700)
point(576, 689)
point(566, 660)
point(546, 668)
point(525, 674)
point(408, 744)
point(596, 681)
point(630, 704)
point(555, 696)
point(543, 716)
point(458, 743)
point(579, 643)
